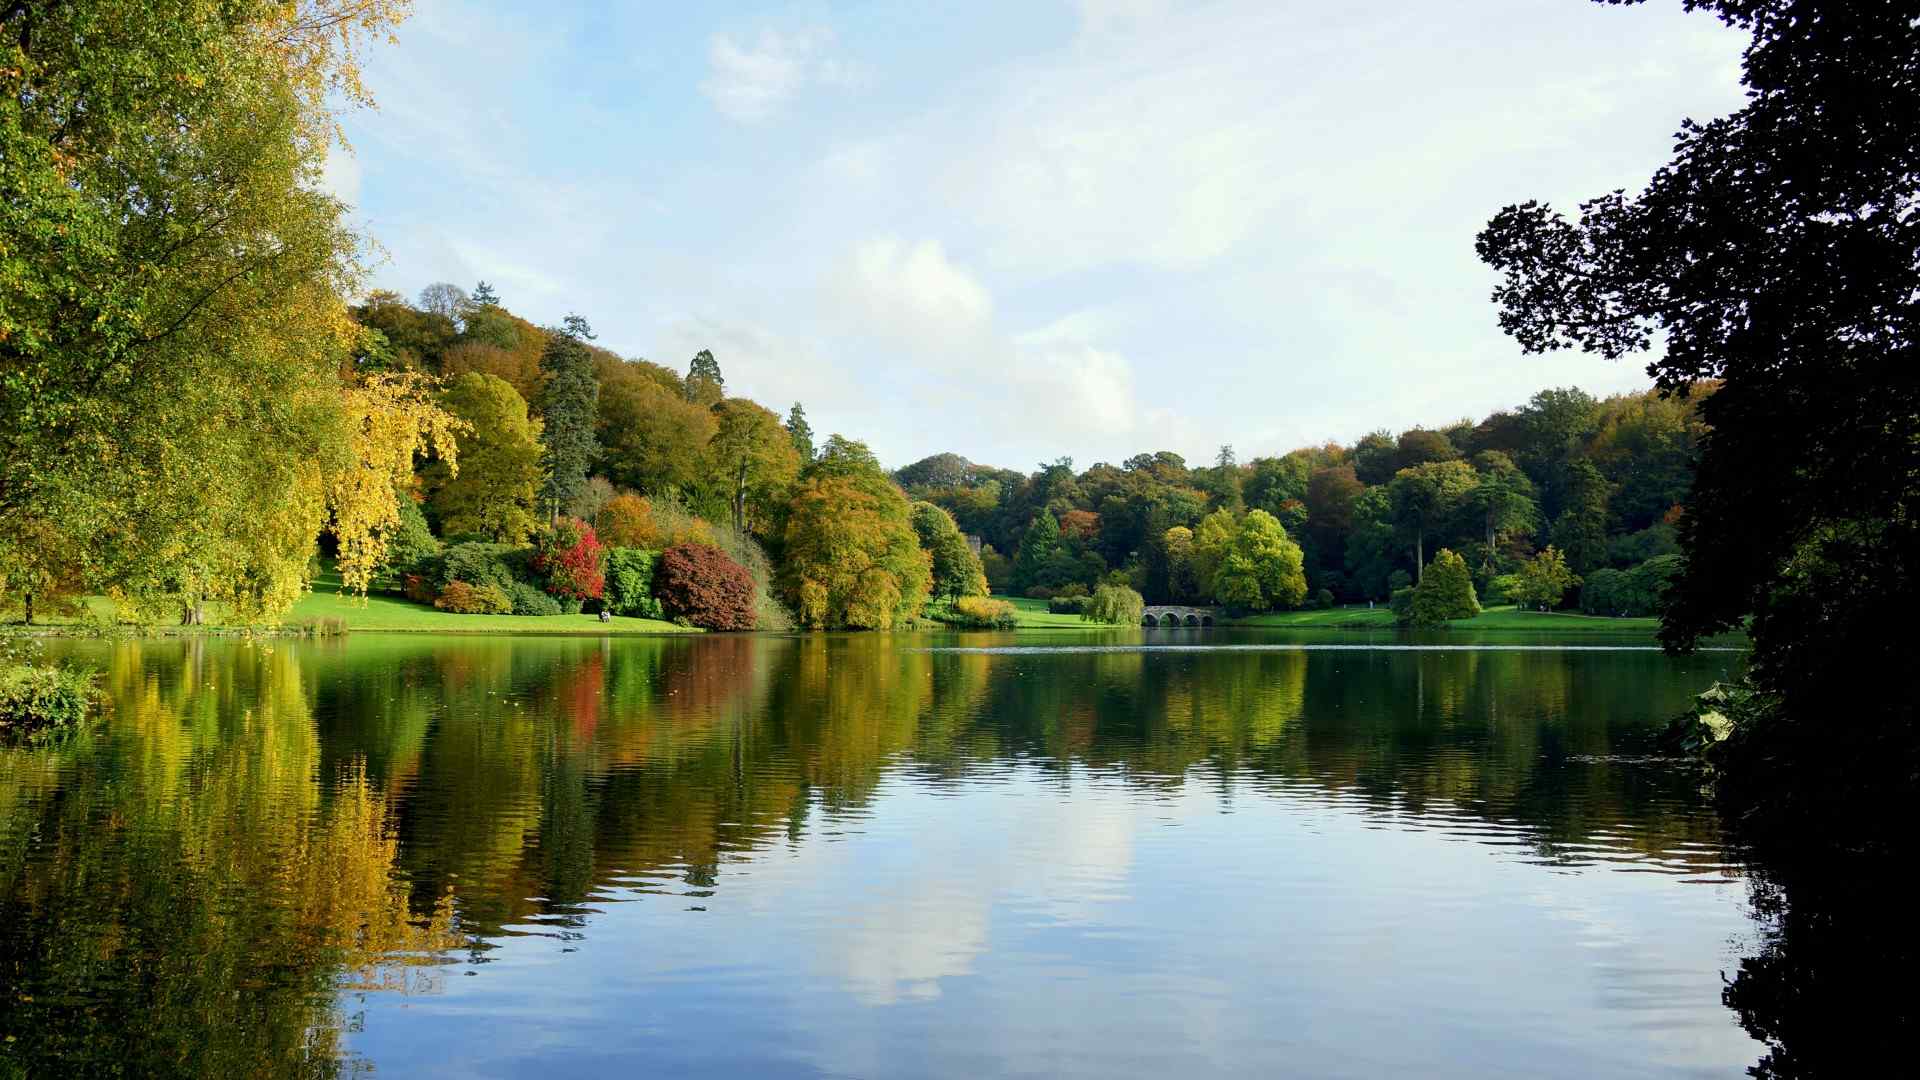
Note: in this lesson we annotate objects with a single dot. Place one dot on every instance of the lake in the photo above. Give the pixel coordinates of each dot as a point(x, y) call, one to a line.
point(1117, 854)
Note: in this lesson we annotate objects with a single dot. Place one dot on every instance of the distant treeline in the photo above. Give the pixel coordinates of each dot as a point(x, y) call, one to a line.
point(1601, 481)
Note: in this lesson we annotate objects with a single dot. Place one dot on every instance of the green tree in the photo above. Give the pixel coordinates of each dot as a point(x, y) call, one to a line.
point(956, 570)
point(494, 493)
point(569, 409)
point(1115, 605)
point(1371, 548)
point(1544, 580)
point(1581, 529)
point(1424, 497)
point(1037, 550)
point(705, 387)
point(752, 461)
point(1212, 540)
point(1445, 592)
point(1262, 567)
point(800, 432)
point(1501, 502)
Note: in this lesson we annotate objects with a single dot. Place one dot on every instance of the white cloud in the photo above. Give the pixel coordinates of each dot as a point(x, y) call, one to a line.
point(751, 82)
point(340, 176)
point(911, 292)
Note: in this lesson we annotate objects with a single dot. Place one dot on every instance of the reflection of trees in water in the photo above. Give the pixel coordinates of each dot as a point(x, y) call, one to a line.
point(497, 770)
point(194, 893)
point(1829, 989)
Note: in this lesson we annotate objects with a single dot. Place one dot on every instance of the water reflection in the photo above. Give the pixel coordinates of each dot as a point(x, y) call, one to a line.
point(228, 877)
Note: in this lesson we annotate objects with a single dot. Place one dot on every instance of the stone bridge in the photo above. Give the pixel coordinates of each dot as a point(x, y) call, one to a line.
point(1171, 615)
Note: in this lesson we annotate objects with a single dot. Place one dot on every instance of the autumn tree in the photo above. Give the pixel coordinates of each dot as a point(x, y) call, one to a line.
point(172, 339)
point(654, 439)
point(853, 558)
point(569, 409)
point(494, 493)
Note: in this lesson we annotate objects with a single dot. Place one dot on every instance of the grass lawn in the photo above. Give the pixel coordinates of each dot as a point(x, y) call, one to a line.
point(1033, 615)
point(382, 613)
point(1494, 618)
point(393, 614)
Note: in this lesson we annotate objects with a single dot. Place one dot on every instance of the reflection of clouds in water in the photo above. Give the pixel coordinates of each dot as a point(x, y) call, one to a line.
point(1041, 859)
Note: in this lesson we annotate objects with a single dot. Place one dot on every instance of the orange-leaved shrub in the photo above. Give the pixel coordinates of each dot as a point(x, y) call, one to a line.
point(464, 599)
point(701, 585)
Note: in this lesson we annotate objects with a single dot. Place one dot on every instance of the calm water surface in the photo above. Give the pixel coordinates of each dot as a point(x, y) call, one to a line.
point(869, 856)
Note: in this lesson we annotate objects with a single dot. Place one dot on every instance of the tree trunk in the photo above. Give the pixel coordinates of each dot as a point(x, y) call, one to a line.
point(740, 499)
point(1419, 556)
point(29, 600)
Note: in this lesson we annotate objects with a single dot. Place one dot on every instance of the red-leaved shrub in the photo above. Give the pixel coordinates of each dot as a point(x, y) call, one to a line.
point(701, 585)
point(572, 560)
point(419, 589)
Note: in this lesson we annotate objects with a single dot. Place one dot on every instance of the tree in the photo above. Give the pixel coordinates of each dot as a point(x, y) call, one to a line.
point(448, 301)
point(1182, 584)
point(172, 339)
point(1037, 550)
point(592, 500)
point(853, 558)
point(934, 471)
point(494, 492)
point(956, 570)
point(1115, 605)
point(704, 385)
point(1580, 532)
point(1420, 447)
point(629, 522)
point(1501, 501)
point(1445, 592)
point(1544, 580)
point(1375, 457)
point(571, 559)
point(702, 585)
point(569, 409)
point(1371, 548)
point(655, 440)
point(1261, 568)
point(752, 461)
point(800, 432)
point(391, 420)
point(484, 296)
point(1424, 497)
point(1211, 542)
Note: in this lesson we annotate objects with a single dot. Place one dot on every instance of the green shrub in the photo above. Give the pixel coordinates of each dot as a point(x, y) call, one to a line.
point(481, 564)
point(527, 600)
point(1068, 605)
point(410, 546)
point(463, 598)
point(43, 701)
point(1398, 580)
point(1116, 605)
point(1503, 589)
point(630, 583)
point(1401, 604)
point(1445, 592)
point(981, 613)
point(1323, 599)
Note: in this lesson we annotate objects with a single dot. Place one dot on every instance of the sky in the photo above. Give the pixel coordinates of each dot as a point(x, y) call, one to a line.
point(1021, 231)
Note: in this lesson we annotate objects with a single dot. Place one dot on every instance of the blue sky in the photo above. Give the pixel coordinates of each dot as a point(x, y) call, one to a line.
point(1023, 230)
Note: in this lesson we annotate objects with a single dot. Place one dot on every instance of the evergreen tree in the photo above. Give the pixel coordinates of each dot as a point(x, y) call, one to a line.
point(1581, 529)
point(570, 408)
point(705, 386)
point(801, 432)
point(1037, 549)
point(484, 296)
